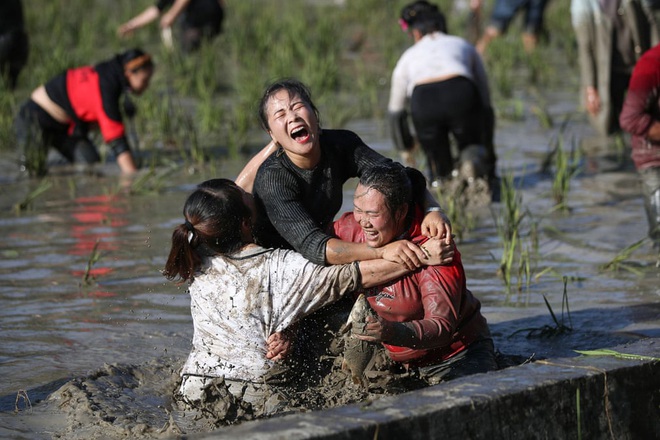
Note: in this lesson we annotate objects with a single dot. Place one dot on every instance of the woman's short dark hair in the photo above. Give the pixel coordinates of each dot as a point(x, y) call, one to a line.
point(294, 87)
point(424, 16)
point(398, 184)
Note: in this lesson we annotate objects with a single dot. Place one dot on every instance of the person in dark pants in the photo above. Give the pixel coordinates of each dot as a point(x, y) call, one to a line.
point(442, 79)
point(59, 112)
point(504, 11)
point(14, 47)
point(200, 19)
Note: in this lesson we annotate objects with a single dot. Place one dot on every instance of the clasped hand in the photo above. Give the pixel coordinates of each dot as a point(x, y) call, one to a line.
point(432, 253)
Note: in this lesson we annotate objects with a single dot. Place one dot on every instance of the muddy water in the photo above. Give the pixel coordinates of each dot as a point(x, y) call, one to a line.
point(60, 320)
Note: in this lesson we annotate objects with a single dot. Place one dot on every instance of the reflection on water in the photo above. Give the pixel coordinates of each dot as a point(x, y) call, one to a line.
point(55, 325)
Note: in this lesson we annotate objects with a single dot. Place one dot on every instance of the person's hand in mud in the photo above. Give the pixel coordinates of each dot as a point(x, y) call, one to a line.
point(279, 346)
point(436, 224)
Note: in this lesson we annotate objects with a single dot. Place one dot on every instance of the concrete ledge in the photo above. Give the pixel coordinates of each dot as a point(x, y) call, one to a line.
point(617, 399)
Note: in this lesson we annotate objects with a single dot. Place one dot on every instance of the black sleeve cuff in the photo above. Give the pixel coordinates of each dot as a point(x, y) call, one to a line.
point(119, 145)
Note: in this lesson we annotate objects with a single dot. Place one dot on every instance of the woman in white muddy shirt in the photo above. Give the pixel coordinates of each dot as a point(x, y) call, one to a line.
point(241, 293)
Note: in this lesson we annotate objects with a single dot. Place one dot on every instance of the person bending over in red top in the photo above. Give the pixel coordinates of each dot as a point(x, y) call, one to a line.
point(59, 113)
point(428, 320)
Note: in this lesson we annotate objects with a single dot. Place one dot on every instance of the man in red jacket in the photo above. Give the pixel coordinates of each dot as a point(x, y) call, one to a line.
point(428, 320)
point(60, 112)
point(640, 117)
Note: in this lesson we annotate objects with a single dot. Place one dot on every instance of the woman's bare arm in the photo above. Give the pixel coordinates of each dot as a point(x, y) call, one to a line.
point(245, 178)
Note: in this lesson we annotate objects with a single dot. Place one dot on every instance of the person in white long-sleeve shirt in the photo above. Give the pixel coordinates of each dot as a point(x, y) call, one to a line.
point(241, 293)
point(442, 80)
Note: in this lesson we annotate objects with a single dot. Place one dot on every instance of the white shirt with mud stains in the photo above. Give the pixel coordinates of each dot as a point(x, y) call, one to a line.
point(238, 301)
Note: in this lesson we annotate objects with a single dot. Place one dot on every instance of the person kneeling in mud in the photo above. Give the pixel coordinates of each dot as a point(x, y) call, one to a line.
point(62, 112)
point(241, 293)
point(428, 321)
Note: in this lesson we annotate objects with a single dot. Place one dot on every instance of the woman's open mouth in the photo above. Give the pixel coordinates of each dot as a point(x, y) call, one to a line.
point(300, 134)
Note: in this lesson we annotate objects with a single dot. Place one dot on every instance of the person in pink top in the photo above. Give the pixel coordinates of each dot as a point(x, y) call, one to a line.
point(428, 320)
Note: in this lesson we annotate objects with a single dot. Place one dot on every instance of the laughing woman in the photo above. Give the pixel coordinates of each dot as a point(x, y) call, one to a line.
point(297, 181)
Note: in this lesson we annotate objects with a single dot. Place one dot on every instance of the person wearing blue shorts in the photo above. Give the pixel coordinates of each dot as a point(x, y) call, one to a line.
point(504, 12)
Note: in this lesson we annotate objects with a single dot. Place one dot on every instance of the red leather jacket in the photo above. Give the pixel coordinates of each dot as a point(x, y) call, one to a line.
point(433, 301)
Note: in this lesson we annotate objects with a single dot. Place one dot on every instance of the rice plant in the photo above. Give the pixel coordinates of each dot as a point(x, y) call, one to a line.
point(462, 219)
point(27, 203)
point(560, 327)
point(617, 354)
point(566, 165)
point(621, 260)
point(94, 257)
point(153, 181)
point(512, 214)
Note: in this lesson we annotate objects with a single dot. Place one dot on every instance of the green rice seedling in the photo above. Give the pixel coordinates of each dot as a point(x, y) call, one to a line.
point(540, 70)
point(620, 261)
point(620, 149)
point(557, 18)
point(559, 327)
point(566, 167)
point(540, 110)
point(512, 109)
point(454, 206)
point(543, 116)
point(508, 223)
point(153, 181)
point(616, 354)
point(507, 260)
point(7, 111)
point(511, 217)
point(524, 270)
point(27, 203)
point(94, 257)
point(190, 138)
point(534, 237)
point(504, 55)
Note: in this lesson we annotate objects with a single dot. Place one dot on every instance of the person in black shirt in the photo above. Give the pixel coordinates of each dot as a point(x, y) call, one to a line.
point(201, 19)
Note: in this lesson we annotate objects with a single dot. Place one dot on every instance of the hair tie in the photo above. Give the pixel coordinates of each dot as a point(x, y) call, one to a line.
point(403, 24)
point(190, 229)
point(138, 62)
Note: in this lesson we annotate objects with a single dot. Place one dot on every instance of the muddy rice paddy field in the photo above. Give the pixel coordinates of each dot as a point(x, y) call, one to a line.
point(93, 335)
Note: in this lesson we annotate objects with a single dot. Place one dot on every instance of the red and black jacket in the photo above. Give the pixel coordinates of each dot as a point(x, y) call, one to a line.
point(91, 95)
